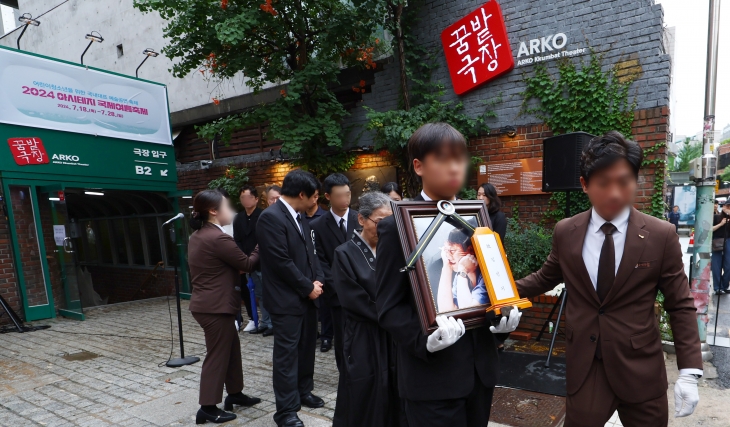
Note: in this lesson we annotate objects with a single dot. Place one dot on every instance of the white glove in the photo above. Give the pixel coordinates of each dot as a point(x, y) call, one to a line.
point(686, 396)
point(449, 331)
point(507, 325)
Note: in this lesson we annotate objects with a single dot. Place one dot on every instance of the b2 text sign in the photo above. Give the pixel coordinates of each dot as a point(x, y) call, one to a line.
point(477, 48)
point(43, 93)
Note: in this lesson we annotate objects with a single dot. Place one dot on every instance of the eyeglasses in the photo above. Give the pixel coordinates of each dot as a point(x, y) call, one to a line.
point(373, 221)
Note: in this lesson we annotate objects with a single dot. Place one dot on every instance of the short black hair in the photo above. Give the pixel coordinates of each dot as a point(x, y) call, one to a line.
point(335, 180)
point(389, 187)
point(603, 151)
point(273, 187)
point(250, 188)
point(299, 181)
point(436, 138)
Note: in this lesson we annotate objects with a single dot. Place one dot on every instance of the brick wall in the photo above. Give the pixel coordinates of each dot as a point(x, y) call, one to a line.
point(8, 281)
point(263, 173)
point(533, 318)
point(649, 128)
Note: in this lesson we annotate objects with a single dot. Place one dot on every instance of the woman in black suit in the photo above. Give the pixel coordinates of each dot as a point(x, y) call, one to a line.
point(215, 264)
point(488, 193)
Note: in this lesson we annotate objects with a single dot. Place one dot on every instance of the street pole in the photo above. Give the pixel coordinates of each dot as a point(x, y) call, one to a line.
point(705, 181)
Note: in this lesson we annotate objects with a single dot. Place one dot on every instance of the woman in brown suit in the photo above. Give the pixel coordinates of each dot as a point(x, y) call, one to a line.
point(215, 263)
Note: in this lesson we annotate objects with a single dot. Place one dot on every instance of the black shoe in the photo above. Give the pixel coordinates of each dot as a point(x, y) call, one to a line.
point(269, 332)
point(259, 330)
point(311, 401)
point(292, 421)
point(239, 399)
point(326, 345)
point(217, 417)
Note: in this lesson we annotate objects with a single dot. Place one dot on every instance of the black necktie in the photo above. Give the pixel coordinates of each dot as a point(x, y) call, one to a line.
point(606, 263)
point(343, 229)
point(299, 222)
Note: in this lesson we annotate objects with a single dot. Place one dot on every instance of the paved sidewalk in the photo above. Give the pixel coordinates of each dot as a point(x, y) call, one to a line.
point(124, 386)
point(104, 372)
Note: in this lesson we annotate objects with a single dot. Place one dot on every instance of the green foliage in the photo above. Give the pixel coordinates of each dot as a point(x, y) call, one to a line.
point(578, 203)
point(665, 329)
point(688, 151)
point(421, 98)
point(658, 206)
point(304, 44)
point(582, 97)
point(527, 246)
point(232, 180)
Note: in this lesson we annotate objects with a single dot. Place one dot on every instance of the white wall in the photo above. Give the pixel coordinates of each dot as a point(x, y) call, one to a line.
point(61, 35)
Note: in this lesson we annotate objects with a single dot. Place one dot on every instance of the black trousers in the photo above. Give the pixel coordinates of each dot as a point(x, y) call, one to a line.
point(471, 411)
point(325, 318)
point(339, 335)
point(295, 340)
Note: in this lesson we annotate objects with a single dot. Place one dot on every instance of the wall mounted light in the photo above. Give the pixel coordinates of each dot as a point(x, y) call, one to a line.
point(92, 37)
point(149, 53)
point(510, 131)
point(27, 20)
point(93, 193)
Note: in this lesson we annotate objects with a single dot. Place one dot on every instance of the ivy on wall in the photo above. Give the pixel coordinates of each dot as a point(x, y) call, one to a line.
point(232, 180)
point(587, 96)
point(420, 99)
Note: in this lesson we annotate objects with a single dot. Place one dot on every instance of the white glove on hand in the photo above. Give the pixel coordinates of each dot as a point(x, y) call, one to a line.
point(507, 325)
point(686, 395)
point(449, 331)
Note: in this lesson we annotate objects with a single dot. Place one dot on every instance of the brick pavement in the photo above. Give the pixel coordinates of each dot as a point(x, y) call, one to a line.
point(124, 386)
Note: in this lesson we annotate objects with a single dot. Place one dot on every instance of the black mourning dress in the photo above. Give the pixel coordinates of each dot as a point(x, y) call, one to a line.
point(367, 394)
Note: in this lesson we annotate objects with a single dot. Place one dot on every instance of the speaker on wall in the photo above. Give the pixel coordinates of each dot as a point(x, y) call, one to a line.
point(561, 161)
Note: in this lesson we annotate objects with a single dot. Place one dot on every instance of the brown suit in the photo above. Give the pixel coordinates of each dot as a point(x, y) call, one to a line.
point(215, 261)
point(632, 367)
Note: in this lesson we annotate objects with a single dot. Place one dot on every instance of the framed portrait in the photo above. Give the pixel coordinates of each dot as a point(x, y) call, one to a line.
point(447, 278)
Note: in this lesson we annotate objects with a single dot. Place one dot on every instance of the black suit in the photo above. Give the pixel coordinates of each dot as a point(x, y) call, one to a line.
point(244, 230)
point(289, 268)
point(451, 387)
point(327, 237)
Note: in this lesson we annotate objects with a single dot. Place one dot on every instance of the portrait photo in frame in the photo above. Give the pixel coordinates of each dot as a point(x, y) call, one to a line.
point(437, 288)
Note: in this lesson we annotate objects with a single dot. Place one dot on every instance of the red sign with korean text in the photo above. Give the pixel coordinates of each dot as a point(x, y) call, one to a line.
point(477, 48)
point(28, 151)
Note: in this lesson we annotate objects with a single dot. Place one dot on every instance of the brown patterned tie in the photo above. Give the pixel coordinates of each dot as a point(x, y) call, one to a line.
point(606, 271)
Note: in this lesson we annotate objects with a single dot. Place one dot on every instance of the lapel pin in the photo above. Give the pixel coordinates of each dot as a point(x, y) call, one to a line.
point(641, 235)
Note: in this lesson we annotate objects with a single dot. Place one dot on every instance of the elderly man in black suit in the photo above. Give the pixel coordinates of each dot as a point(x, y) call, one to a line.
point(330, 231)
point(292, 282)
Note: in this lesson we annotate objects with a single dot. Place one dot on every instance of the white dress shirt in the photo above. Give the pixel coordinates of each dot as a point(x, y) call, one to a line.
point(228, 229)
point(592, 251)
point(428, 199)
point(219, 226)
point(338, 218)
point(292, 212)
point(594, 241)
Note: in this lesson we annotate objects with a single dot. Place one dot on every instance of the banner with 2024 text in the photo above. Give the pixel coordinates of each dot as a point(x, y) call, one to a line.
point(44, 93)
